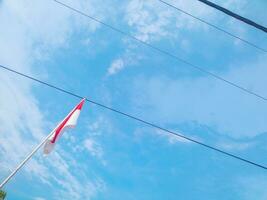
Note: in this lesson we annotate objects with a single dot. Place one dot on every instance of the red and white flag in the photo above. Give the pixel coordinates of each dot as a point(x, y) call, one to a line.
point(70, 121)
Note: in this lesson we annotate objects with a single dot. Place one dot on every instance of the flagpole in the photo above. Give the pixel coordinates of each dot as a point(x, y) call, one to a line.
point(26, 159)
point(34, 151)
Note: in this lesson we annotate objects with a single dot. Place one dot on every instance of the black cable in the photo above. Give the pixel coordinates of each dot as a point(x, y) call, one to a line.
point(214, 26)
point(234, 15)
point(135, 118)
point(164, 52)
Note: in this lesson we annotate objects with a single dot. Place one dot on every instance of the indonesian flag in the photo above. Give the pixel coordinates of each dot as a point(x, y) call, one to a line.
point(70, 121)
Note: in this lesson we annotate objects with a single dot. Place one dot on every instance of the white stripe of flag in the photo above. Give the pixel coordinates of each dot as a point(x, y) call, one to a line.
point(70, 121)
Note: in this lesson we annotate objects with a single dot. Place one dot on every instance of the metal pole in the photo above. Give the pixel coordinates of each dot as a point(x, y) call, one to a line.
point(32, 153)
point(25, 160)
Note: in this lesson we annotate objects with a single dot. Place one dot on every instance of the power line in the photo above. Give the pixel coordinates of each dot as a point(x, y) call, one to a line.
point(135, 118)
point(234, 15)
point(214, 26)
point(165, 52)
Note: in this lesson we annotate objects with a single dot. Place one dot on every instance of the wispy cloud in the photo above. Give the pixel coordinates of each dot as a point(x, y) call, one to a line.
point(172, 139)
point(149, 21)
point(154, 22)
point(91, 142)
point(93, 148)
point(23, 124)
point(252, 187)
point(240, 146)
point(206, 101)
point(38, 198)
point(116, 66)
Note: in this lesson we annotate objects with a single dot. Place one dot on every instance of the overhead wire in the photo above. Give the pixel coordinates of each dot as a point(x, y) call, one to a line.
point(164, 52)
point(134, 118)
point(213, 26)
point(235, 15)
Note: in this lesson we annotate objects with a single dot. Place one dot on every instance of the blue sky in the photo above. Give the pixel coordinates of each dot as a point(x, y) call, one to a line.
point(108, 156)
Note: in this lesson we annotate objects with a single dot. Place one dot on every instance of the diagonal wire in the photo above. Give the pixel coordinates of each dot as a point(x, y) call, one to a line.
point(214, 26)
point(165, 52)
point(234, 15)
point(136, 118)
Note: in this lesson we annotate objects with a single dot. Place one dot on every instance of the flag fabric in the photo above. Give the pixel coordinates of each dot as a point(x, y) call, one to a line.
point(70, 121)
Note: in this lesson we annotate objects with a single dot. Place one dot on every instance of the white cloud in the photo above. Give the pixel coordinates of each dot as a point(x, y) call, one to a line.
point(93, 148)
point(86, 42)
point(116, 66)
point(208, 101)
point(91, 143)
point(172, 139)
point(38, 198)
point(230, 145)
point(252, 187)
point(153, 20)
point(31, 31)
point(147, 19)
point(140, 133)
point(64, 175)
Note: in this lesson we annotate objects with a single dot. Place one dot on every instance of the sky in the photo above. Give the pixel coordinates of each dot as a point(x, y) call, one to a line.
point(108, 156)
